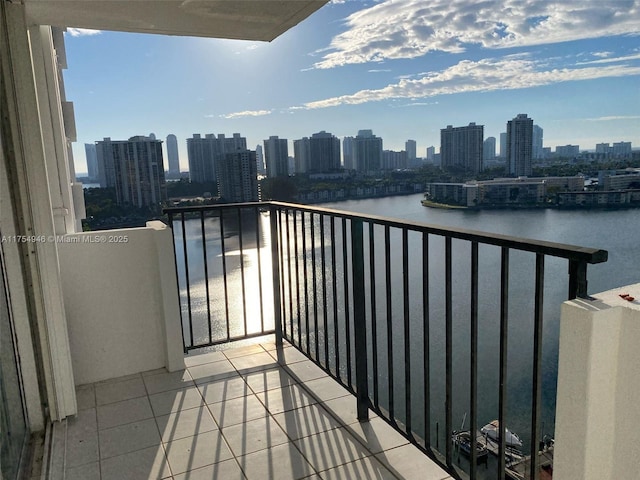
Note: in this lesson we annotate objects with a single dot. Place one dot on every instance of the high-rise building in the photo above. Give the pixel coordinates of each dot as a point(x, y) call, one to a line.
point(392, 160)
point(431, 154)
point(276, 155)
point(412, 153)
point(367, 152)
point(347, 153)
point(205, 153)
point(567, 151)
point(503, 144)
point(621, 148)
point(260, 160)
point(537, 152)
point(324, 153)
point(519, 145)
point(172, 154)
point(489, 149)
point(462, 147)
point(134, 168)
point(92, 161)
point(603, 148)
point(301, 155)
point(238, 177)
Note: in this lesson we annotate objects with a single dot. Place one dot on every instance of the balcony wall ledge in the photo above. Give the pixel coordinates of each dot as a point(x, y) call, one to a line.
point(597, 414)
point(122, 302)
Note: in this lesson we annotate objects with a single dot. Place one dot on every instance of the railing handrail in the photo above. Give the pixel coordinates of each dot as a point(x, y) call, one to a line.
point(560, 250)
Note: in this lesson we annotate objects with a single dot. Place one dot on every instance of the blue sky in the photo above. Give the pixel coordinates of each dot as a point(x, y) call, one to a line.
point(403, 68)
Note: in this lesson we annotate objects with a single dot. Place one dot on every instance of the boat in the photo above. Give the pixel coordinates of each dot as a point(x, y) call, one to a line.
point(462, 440)
point(492, 432)
point(520, 470)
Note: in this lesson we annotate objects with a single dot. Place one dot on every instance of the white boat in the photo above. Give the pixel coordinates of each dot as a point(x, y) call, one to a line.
point(492, 431)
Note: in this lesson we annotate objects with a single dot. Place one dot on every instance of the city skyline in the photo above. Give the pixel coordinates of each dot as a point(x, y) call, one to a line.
point(384, 66)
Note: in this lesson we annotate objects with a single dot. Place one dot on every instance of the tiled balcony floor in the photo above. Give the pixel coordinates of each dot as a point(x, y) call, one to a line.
point(232, 415)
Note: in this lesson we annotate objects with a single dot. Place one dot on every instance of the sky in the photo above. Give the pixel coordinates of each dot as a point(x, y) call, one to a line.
point(402, 68)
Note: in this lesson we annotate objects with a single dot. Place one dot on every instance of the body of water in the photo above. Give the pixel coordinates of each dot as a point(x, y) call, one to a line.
point(616, 231)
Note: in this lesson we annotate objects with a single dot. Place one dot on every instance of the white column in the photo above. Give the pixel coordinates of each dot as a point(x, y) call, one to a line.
point(597, 414)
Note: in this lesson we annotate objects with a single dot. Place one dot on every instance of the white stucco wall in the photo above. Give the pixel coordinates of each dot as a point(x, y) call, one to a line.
point(122, 302)
point(597, 414)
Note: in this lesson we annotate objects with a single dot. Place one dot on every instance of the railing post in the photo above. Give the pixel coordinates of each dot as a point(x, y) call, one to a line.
point(275, 269)
point(577, 279)
point(359, 324)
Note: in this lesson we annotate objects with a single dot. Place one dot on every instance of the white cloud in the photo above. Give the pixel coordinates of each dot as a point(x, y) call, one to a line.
point(411, 28)
point(379, 70)
point(602, 54)
point(478, 76)
point(247, 113)
point(613, 118)
point(82, 32)
point(613, 59)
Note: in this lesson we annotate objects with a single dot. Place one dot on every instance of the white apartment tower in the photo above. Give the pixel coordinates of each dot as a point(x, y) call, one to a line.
point(367, 152)
point(205, 153)
point(276, 155)
point(412, 153)
point(519, 146)
point(237, 177)
point(462, 147)
point(324, 152)
point(135, 169)
point(301, 155)
point(172, 154)
point(92, 161)
point(347, 153)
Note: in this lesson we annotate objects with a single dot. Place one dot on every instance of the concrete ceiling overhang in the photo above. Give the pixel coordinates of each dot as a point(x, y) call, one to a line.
point(236, 19)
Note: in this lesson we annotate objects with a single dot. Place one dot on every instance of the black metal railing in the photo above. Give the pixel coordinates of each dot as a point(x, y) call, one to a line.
point(397, 311)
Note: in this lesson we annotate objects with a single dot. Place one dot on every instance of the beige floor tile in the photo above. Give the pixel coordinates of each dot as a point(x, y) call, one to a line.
point(306, 421)
point(377, 435)
point(90, 471)
point(283, 462)
point(288, 355)
point(331, 449)
point(226, 470)
point(195, 452)
point(128, 438)
point(224, 389)
point(254, 435)
point(326, 388)
point(200, 359)
point(185, 423)
point(238, 410)
point(86, 396)
point(175, 400)
point(82, 449)
point(345, 409)
point(163, 382)
point(288, 398)
point(408, 462)
point(305, 371)
point(209, 372)
point(85, 423)
point(124, 412)
point(254, 362)
point(149, 463)
point(269, 379)
point(367, 467)
point(118, 379)
point(243, 351)
point(116, 392)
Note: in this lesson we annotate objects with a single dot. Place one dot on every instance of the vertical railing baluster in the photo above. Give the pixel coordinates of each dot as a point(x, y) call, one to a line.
point(186, 275)
point(347, 319)
point(407, 331)
point(426, 341)
point(537, 365)
point(359, 319)
point(305, 282)
point(314, 285)
point(277, 299)
point(286, 317)
point(290, 277)
point(334, 276)
point(448, 352)
point(258, 225)
point(175, 263)
point(224, 275)
point(387, 265)
point(473, 386)
point(374, 316)
point(504, 325)
point(206, 274)
point(577, 279)
point(242, 279)
point(324, 293)
point(295, 251)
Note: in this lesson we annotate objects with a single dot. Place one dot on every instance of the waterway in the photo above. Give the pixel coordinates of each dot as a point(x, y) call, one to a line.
point(616, 231)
